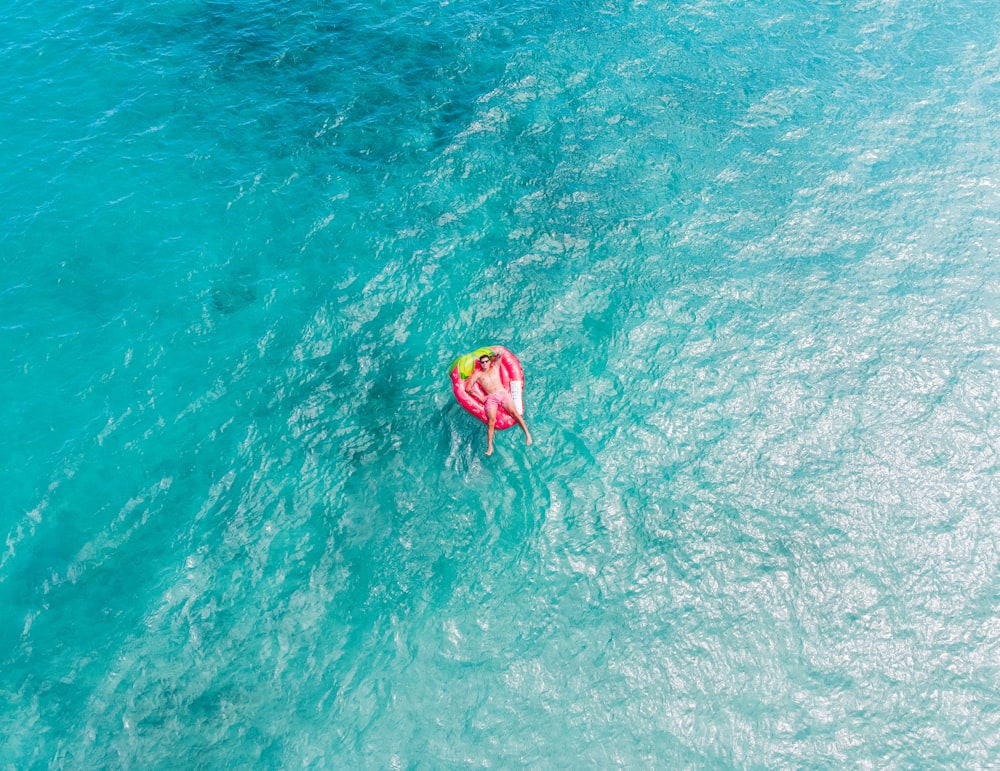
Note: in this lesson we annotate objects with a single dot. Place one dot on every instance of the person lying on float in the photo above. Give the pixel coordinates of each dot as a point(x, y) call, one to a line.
point(497, 396)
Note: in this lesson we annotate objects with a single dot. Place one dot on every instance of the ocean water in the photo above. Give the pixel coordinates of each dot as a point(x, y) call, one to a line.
point(748, 256)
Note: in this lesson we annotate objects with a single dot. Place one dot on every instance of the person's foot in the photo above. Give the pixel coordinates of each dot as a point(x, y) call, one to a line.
point(489, 450)
point(527, 438)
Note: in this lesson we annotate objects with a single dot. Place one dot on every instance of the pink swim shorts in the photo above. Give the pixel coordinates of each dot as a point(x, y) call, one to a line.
point(496, 399)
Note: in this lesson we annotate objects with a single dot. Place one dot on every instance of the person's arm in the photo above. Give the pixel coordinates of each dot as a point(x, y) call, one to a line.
point(471, 382)
point(473, 379)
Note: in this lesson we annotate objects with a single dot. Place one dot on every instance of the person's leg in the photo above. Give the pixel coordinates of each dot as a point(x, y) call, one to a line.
point(512, 409)
point(491, 418)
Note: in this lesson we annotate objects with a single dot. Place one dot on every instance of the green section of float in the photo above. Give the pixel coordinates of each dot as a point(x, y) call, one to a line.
point(467, 362)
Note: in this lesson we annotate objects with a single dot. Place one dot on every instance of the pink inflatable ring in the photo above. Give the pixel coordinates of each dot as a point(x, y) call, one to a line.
point(511, 375)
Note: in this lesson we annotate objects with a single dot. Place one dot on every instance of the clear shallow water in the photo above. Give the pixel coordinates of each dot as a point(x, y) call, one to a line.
point(748, 258)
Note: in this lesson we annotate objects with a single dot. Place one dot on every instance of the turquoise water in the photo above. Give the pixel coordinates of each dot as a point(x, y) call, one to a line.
point(747, 254)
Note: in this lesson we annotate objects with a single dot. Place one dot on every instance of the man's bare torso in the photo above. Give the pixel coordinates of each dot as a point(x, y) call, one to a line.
point(490, 380)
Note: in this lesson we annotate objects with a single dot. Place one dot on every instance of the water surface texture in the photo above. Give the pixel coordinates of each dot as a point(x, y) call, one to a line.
point(748, 256)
